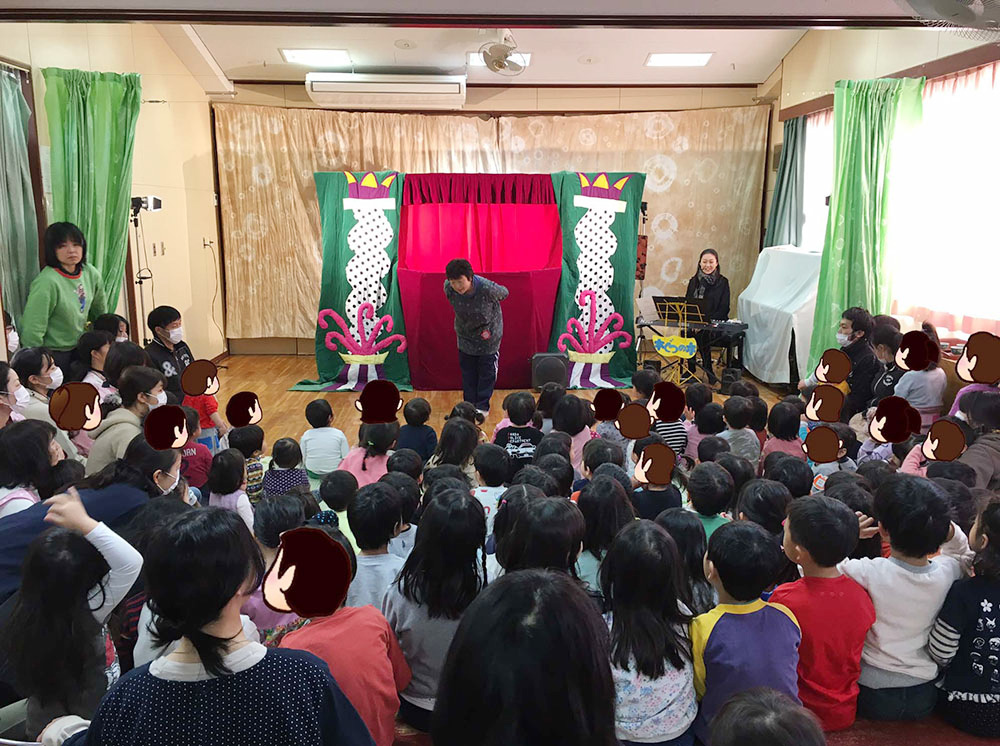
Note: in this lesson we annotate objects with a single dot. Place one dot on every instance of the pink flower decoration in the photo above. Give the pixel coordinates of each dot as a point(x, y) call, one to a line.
point(589, 342)
point(368, 345)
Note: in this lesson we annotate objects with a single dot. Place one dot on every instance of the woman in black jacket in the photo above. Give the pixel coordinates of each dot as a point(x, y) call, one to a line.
point(710, 285)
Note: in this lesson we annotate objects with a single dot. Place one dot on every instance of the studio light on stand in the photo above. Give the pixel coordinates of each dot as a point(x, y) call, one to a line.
point(144, 274)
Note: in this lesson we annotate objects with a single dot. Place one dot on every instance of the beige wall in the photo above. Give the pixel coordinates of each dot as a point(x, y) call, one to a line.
point(521, 98)
point(172, 158)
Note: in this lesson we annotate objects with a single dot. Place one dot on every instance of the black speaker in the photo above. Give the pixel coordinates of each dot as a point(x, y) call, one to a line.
point(549, 367)
point(729, 377)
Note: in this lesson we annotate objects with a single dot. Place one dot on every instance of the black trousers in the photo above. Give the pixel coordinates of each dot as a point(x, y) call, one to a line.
point(704, 338)
point(479, 377)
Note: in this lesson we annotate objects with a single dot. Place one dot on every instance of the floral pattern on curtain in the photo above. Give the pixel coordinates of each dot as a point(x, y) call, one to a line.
point(705, 174)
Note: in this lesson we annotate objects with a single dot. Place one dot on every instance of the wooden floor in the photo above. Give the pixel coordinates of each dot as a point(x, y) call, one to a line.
point(284, 411)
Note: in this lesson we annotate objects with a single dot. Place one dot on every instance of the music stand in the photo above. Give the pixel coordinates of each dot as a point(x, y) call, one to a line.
point(679, 313)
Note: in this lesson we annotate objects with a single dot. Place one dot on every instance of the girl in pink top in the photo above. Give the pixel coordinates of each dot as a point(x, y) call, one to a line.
point(573, 416)
point(783, 429)
point(367, 461)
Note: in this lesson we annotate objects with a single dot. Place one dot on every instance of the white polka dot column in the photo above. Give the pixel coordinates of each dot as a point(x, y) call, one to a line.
point(368, 239)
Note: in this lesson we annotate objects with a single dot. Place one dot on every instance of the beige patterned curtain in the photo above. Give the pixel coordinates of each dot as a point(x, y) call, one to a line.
point(704, 187)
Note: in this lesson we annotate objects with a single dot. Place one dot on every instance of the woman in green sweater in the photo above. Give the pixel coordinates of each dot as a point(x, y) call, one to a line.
point(66, 295)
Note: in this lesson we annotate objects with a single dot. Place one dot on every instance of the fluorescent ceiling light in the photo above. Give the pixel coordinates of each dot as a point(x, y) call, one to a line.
point(656, 59)
point(317, 57)
point(522, 58)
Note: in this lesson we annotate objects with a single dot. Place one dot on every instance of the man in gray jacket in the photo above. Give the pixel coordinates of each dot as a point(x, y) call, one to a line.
point(479, 328)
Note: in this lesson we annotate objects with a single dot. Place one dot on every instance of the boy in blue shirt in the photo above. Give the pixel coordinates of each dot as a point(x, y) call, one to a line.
point(743, 642)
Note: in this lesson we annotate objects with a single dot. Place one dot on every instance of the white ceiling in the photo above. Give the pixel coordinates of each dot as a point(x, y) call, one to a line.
point(741, 56)
point(526, 8)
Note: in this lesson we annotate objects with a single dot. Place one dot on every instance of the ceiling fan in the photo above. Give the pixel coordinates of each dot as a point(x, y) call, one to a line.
point(978, 20)
point(499, 55)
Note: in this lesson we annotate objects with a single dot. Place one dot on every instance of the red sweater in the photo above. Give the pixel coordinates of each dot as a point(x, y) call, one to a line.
point(834, 615)
point(196, 461)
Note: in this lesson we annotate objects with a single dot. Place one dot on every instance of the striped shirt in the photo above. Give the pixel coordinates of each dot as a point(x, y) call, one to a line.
point(674, 434)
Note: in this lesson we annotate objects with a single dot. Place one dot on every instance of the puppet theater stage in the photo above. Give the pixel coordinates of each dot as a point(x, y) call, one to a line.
point(563, 244)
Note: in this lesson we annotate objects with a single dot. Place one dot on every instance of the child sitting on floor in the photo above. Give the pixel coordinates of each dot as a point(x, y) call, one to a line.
point(323, 446)
point(285, 473)
point(337, 490)
point(596, 452)
point(738, 412)
point(272, 517)
point(409, 493)
point(520, 438)
point(843, 463)
point(965, 641)
point(506, 417)
point(758, 418)
point(249, 441)
point(743, 642)
point(492, 467)
point(227, 482)
point(196, 459)
point(707, 421)
point(907, 589)
point(458, 443)
point(606, 509)
point(368, 460)
point(783, 425)
point(571, 416)
point(416, 434)
point(711, 491)
point(375, 516)
point(833, 611)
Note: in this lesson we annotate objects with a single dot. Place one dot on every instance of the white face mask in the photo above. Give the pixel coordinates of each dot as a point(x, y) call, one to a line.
point(176, 335)
point(57, 379)
point(121, 339)
point(842, 339)
point(161, 399)
point(21, 399)
point(172, 486)
point(13, 341)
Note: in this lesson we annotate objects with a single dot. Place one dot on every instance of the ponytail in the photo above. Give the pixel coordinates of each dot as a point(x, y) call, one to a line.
point(210, 648)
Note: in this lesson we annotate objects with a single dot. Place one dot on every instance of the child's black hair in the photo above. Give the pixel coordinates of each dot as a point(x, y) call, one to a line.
point(537, 477)
point(407, 461)
point(374, 514)
point(642, 576)
point(553, 442)
point(319, 413)
point(761, 716)
point(771, 459)
point(697, 395)
point(688, 533)
point(963, 504)
point(458, 441)
point(643, 382)
point(758, 419)
point(285, 453)
point(858, 501)
point(746, 558)
point(510, 505)
point(193, 421)
point(521, 408)
point(915, 512)
point(737, 410)
point(416, 411)
point(825, 527)
point(606, 509)
point(743, 388)
point(560, 469)
point(248, 440)
point(337, 489)
point(274, 515)
point(598, 451)
point(643, 443)
point(162, 316)
point(710, 447)
point(957, 470)
point(875, 472)
point(465, 411)
point(848, 438)
point(710, 489)
point(886, 335)
point(741, 470)
point(546, 535)
point(570, 415)
point(492, 463)
point(794, 473)
point(550, 395)
point(765, 502)
point(847, 477)
point(987, 561)
point(377, 438)
point(900, 450)
point(783, 421)
point(796, 401)
point(409, 492)
point(442, 472)
point(615, 472)
point(709, 419)
point(227, 472)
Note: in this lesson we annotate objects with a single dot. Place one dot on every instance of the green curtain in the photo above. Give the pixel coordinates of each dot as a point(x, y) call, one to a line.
point(92, 118)
point(340, 250)
point(866, 114)
point(18, 226)
point(625, 228)
point(784, 224)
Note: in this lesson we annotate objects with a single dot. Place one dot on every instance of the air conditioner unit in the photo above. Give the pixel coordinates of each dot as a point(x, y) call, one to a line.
point(370, 91)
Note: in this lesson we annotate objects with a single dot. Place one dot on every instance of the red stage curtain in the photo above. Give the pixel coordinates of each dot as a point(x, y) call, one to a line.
point(516, 244)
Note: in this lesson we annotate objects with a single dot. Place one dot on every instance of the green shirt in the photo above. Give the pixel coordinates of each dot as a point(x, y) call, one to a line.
point(711, 523)
point(59, 307)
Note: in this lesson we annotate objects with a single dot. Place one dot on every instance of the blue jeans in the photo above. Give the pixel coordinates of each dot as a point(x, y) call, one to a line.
point(897, 703)
point(479, 376)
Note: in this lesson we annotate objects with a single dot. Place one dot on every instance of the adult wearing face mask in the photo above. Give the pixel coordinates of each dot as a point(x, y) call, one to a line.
point(37, 371)
point(854, 337)
point(65, 295)
point(13, 396)
point(13, 339)
point(168, 351)
point(141, 390)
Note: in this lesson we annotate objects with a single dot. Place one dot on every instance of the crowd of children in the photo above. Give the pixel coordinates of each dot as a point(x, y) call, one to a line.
point(746, 593)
